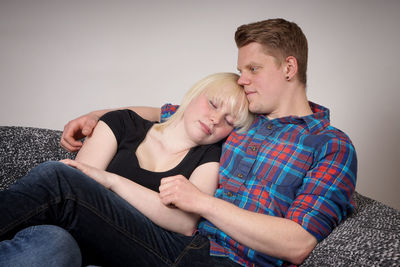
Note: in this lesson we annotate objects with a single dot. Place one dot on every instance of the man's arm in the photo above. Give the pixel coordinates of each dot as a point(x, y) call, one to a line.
point(323, 200)
point(278, 237)
point(84, 125)
point(274, 236)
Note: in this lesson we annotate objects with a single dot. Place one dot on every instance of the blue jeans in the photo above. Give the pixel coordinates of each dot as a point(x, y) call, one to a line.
point(109, 231)
point(43, 245)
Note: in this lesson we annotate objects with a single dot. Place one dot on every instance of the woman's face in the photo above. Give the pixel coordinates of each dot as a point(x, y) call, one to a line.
point(208, 120)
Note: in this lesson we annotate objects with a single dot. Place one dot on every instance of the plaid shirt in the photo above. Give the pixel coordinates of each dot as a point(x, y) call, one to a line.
point(299, 168)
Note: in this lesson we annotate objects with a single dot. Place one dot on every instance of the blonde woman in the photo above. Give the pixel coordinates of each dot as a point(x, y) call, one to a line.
point(109, 199)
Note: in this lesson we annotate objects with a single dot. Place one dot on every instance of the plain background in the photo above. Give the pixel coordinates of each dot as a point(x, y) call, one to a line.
point(61, 59)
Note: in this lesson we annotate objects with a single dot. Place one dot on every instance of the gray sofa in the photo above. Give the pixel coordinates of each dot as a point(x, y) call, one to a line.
point(369, 237)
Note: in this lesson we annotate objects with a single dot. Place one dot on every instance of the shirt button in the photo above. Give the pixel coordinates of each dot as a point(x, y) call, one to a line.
point(240, 175)
point(253, 148)
point(269, 127)
point(229, 194)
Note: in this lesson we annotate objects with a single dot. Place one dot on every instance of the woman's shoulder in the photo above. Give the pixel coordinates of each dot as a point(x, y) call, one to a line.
point(126, 116)
point(126, 123)
point(207, 153)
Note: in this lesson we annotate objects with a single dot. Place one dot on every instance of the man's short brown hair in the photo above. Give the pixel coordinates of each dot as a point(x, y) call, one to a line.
point(280, 38)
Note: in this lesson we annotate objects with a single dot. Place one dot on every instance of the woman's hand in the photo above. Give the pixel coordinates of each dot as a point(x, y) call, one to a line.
point(102, 177)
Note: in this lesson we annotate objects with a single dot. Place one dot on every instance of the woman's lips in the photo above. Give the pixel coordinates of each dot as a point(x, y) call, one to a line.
point(205, 128)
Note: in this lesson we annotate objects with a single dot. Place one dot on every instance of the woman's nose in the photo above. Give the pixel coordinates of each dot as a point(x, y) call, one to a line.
point(216, 118)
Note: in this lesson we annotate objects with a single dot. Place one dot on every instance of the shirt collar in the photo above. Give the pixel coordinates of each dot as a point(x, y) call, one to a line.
point(319, 119)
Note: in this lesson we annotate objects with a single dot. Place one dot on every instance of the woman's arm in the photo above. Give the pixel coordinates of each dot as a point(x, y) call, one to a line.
point(148, 201)
point(99, 148)
point(204, 177)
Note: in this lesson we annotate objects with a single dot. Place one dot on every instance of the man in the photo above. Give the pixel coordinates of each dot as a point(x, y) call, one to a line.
point(284, 184)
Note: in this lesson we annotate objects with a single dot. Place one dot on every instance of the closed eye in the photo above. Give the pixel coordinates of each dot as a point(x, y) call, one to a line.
point(212, 104)
point(230, 123)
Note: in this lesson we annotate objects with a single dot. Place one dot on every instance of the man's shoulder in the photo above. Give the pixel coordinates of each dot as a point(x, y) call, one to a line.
point(331, 140)
point(336, 134)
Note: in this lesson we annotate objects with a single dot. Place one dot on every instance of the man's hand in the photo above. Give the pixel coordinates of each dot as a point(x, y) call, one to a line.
point(76, 130)
point(180, 192)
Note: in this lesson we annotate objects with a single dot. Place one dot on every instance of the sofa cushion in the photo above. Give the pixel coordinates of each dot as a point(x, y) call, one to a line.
point(369, 237)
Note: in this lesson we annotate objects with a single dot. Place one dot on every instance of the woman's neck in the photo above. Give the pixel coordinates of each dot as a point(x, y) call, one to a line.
point(173, 137)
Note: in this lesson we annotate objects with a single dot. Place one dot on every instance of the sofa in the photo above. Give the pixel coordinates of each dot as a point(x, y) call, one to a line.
point(369, 237)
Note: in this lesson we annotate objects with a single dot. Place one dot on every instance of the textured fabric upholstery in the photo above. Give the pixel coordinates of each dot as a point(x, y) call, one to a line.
point(22, 148)
point(369, 237)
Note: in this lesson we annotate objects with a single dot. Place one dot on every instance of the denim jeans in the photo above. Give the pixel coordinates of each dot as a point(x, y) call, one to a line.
point(37, 246)
point(109, 231)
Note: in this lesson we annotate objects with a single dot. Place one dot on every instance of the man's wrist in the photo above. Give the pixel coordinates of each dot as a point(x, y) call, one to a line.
point(205, 205)
point(98, 113)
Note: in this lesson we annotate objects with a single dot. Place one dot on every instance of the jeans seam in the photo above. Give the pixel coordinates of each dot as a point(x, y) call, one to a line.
point(187, 249)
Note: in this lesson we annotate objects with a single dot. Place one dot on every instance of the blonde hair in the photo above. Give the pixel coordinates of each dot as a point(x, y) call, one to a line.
point(221, 87)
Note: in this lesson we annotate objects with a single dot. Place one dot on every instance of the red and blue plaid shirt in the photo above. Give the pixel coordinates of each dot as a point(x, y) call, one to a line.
point(299, 168)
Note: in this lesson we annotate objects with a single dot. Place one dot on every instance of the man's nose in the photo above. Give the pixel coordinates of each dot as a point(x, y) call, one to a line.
point(243, 80)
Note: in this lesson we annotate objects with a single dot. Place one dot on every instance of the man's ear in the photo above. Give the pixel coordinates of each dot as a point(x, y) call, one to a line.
point(290, 68)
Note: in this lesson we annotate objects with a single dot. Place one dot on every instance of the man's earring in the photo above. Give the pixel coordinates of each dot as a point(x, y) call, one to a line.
point(287, 78)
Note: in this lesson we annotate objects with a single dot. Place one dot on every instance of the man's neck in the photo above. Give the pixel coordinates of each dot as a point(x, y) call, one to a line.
point(294, 103)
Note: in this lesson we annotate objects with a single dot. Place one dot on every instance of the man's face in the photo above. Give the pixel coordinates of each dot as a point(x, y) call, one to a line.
point(262, 79)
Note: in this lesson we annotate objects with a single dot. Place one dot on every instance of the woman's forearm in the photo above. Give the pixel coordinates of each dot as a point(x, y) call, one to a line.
point(148, 202)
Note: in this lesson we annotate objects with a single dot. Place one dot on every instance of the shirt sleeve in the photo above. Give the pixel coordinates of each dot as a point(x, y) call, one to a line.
point(199, 156)
point(116, 121)
point(325, 198)
point(167, 110)
point(212, 154)
point(125, 123)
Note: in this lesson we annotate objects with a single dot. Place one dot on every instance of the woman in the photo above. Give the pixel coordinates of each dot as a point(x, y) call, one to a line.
point(137, 155)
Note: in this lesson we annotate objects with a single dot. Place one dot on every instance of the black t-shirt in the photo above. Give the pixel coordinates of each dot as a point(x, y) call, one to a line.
point(130, 130)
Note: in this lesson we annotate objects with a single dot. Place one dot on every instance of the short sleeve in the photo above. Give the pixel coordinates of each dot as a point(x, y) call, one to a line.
point(116, 120)
point(124, 123)
point(212, 154)
point(198, 156)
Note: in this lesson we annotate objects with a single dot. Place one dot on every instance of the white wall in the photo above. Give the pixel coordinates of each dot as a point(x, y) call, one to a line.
point(60, 59)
